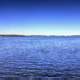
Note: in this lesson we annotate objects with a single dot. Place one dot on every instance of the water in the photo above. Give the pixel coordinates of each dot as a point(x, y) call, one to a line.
point(43, 58)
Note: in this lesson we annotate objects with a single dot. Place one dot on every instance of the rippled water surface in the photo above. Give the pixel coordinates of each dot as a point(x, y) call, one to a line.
point(42, 56)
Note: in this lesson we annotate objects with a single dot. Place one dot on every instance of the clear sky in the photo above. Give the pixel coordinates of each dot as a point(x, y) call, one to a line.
point(40, 17)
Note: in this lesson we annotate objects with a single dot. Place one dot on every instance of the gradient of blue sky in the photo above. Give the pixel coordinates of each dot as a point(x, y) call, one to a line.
point(35, 17)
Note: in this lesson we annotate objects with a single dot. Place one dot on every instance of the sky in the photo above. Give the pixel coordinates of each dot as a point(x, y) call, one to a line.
point(40, 17)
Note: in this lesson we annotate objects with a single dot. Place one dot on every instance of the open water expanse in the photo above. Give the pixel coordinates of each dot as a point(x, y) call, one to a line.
point(39, 58)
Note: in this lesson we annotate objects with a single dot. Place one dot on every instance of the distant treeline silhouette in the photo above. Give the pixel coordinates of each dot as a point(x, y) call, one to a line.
point(17, 35)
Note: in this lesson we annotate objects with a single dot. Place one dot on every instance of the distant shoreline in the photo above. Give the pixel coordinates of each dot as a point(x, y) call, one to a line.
point(16, 35)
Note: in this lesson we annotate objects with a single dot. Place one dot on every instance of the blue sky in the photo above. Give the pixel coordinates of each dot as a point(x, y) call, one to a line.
point(40, 17)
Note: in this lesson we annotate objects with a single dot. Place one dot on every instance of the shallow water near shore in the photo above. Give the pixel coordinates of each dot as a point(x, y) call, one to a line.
point(39, 58)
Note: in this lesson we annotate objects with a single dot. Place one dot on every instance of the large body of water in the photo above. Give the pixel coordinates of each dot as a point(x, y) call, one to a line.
point(41, 58)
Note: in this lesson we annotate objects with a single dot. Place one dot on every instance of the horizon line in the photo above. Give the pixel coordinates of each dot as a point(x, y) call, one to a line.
point(35, 35)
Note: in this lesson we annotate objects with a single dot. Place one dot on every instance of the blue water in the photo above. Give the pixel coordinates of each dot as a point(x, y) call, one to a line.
point(35, 54)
